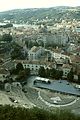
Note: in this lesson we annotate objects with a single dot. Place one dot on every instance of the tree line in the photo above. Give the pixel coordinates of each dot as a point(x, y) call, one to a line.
point(6, 26)
point(42, 72)
point(57, 74)
point(50, 73)
point(16, 113)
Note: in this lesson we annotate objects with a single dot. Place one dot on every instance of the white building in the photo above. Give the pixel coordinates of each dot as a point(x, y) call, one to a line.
point(66, 69)
point(36, 53)
point(35, 65)
point(71, 47)
point(58, 56)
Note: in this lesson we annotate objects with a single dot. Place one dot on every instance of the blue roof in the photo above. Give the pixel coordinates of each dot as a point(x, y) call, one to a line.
point(62, 86)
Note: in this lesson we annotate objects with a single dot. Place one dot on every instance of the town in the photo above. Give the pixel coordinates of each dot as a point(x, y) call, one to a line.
point(39, 59)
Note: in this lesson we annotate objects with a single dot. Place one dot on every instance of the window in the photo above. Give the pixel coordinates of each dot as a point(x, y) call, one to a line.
point(32, 68)
point(25, 66)
point(66, 73)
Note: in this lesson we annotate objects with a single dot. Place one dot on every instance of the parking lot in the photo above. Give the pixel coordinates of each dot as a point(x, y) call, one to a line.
point(48, 99)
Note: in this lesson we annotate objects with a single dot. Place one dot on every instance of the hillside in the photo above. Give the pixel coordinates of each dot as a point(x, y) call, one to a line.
point(55, 13)
point(13, 113)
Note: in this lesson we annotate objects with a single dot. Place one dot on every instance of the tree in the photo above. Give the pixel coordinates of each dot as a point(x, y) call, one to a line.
point(79, 78)
point(6, 26)
point(27, 71)
point(52, 73)
point(13, 71)
point(58, 74)
point(42, 72)
point(7, 38)
point(23, 74)
point(19, 67)
point(8, 112)
point(47, 73)
point(70, 75)
point(17, 53)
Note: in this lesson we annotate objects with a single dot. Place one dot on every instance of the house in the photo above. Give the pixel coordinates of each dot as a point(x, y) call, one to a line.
point(66, 69)
point(75, 59)
point(71, 47)
point(60, 59)
point(76, 77)
point(36, 53)
point(58, 56)
point(77, 51)
point(35, 65)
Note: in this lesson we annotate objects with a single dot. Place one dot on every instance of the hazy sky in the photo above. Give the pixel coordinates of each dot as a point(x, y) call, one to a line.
point(15, 4)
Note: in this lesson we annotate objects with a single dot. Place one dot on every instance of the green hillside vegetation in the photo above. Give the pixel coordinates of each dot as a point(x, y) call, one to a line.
point(30, 15)
point(11, 113)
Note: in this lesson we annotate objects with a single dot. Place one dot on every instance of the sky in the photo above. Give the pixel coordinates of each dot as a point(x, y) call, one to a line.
point(20, 4)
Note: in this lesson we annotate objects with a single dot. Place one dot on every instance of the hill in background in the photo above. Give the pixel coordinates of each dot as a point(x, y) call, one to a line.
point(31, 15)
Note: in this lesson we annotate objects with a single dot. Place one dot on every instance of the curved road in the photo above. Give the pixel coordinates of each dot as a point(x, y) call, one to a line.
point(54, 105)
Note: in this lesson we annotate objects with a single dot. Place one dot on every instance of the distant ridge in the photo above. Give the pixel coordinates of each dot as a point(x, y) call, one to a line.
point(60, 12)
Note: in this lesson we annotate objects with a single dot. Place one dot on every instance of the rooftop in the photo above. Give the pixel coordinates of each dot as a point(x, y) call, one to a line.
point(75, 59)
point(66, 66)
point(34, 62)
point(35, 49)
